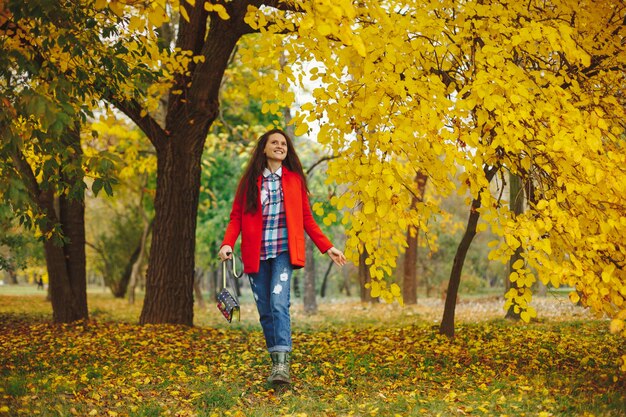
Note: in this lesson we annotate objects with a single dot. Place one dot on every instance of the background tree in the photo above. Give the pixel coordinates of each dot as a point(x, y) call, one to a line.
point(118, 226)
point(409, 273)
point(489, 88)
point(54, 56)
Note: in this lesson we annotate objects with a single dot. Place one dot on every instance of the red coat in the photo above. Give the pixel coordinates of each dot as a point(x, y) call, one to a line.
point(299, 219)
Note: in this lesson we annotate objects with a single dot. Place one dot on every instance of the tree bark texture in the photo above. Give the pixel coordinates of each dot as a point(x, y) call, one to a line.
point(309, 300)
point(447, 323)
point(409, 287)
point(169, 281)
point(516, 201)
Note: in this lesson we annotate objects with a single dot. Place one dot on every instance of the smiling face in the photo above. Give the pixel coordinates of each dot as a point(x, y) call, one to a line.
point(275, 148)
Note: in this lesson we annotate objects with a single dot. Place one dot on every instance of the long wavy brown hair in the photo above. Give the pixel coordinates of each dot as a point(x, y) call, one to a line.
point(256, 165)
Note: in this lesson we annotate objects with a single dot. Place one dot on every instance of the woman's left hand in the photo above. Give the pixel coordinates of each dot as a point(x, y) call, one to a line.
point(337, 256)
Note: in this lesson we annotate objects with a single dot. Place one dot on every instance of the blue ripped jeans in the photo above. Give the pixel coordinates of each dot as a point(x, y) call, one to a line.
point(270, 287)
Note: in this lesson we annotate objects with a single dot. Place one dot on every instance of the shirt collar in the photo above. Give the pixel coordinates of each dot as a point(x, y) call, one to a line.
point(267, 172)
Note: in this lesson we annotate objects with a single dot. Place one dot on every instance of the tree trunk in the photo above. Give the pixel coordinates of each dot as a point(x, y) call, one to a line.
point(197, 287)
point(73, 223)
point(12, 276)
point(346, 281)
point(169, 281)
point(409, 287)
point(516, 202)
point(310, 303)
point(136, 268)
point(214, 279)
point(65, 260)
point(119, 287)
point(325, 280)
point(447, 323)
point(364, 278)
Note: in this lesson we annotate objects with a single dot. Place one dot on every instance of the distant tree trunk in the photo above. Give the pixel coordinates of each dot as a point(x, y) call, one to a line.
point(213, 279)
point(364, 278)
point(346, 281)
point(409, 287)
point(12, 276)
point(325, 280)
point(137, 264)
point(197, 287)
point(310, 303)
point(119, 287)
point(447, 323)
point(516, 202)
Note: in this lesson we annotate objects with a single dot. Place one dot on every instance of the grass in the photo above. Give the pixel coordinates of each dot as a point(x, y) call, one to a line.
point(349, 360)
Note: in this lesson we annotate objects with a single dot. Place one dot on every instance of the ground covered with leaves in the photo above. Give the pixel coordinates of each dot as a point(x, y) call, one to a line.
point(348, 360)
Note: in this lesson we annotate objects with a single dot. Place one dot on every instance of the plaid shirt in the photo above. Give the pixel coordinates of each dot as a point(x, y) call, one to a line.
point(274, 220)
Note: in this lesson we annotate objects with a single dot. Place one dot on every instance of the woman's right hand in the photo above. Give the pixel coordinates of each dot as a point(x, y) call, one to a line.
point(226, 252)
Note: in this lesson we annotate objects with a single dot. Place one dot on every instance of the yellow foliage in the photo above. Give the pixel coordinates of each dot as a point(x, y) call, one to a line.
point(432, 86)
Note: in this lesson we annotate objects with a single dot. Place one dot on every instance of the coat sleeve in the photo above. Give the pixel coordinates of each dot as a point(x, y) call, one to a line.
point(310, 226)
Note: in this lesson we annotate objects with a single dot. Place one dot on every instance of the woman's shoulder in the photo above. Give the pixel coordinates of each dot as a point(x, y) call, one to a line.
point(291, 177)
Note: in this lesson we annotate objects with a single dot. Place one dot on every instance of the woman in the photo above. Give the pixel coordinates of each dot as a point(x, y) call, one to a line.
point(271, 211)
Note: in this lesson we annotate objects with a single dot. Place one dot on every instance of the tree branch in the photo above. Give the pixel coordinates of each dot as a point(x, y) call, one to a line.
point(132, 109)
point(28, 177)
point(319, 161)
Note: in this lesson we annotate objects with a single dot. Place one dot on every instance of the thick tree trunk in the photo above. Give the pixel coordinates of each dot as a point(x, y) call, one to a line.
point(73, 224)
point(447, 323)
point(65, 261)
point(310, 303)
point(169, 281)
point(516, 201)
point(409, 287)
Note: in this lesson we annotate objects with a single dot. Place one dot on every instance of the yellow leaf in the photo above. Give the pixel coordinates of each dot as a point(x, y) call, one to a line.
point(221, 11)
point(358, 44)
point(301, 129)
point(217, 8)
point(135, 23)
point(518, 264)
point(157, 16)
point(117, 8)
point(525, 316)
point(100, 4)
point(183, 13)
point(369, 207)
point(616, 326)
point(395, 290)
